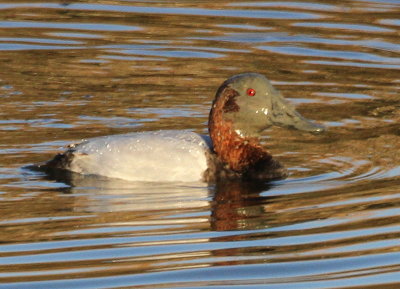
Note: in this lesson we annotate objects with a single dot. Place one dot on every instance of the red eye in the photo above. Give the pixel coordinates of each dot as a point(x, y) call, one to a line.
point(251, 92)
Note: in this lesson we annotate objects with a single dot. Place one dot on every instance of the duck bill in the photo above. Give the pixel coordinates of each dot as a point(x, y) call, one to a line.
point(285, 115)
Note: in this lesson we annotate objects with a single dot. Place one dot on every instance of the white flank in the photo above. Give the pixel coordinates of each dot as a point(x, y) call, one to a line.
point(162, 156)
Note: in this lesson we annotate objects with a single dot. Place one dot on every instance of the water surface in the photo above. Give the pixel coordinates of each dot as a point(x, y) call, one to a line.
point(75, 70)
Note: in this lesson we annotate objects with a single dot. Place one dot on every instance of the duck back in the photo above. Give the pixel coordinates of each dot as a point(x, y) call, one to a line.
point(145, 156)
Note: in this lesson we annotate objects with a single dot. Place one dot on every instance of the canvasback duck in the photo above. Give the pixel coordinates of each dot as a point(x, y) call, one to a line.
point(243, 107)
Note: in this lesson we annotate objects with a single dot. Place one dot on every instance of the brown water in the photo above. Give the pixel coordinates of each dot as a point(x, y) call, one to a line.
point(73, 70)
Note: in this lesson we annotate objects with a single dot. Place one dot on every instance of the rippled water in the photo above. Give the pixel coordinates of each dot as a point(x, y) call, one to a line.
point(73, 70)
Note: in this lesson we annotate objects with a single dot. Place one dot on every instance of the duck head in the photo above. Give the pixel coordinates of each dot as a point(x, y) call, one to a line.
point(244, 106)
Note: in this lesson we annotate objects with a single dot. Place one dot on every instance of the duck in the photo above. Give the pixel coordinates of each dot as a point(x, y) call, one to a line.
point(244, 106)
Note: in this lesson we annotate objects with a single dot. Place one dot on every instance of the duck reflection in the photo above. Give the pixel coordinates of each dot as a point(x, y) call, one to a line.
point(238, 206)
point(230, 205)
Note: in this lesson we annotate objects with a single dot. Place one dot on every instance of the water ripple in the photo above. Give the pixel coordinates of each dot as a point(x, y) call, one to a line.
point(81, 70)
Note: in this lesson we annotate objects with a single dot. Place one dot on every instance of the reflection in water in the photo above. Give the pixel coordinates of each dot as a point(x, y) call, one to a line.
point(101, 228)
point(88, 69)
point(238, 206)
point(227, 201)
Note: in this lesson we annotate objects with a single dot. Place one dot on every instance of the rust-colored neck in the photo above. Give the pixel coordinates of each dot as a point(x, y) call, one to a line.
point(239, 152)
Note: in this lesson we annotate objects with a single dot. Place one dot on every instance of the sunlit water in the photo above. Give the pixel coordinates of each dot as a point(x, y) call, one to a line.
point(77, 70)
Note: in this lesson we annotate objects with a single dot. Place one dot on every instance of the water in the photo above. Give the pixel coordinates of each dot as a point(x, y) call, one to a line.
point(78, 70)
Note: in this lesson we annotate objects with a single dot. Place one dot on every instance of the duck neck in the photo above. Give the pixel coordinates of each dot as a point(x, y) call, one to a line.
point(237, 151)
